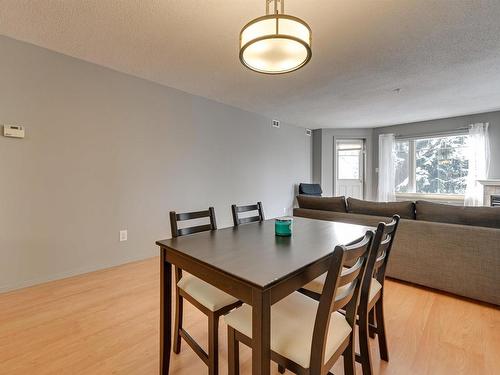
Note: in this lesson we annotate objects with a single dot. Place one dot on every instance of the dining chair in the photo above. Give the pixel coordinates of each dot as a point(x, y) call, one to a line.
point(237, 210)
point(371, 305)
point(208, 299)
point(307, 336)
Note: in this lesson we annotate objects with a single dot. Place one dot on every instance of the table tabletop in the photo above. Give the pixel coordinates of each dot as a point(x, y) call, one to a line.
point(254, 254)
point(254, 265)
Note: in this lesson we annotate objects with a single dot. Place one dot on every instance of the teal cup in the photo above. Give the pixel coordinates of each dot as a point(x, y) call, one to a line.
point(283, 226)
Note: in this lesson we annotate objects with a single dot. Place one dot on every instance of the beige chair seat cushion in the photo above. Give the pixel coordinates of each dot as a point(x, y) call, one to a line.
point(374, 288)
point(292, 324)
point(317, 286)
point(206, 294)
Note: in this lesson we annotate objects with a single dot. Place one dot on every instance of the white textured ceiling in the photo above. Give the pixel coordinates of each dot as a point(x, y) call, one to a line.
point(444, 55)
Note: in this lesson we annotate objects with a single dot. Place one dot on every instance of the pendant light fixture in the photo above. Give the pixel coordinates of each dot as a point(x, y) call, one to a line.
point(276, 43)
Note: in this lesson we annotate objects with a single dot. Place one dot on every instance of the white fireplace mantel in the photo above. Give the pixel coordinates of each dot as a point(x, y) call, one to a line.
point(490, 182)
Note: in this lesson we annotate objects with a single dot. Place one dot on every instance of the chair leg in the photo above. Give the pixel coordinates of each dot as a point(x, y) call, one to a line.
point(179, 307)
point(233, 352)
point(364, 344)
point(281, 369)
point(382, 340)
point(371, 318)
point(349, 358)
point(213, 344)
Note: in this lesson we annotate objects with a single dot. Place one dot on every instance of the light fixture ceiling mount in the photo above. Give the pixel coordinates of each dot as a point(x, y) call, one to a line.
point(276, 43)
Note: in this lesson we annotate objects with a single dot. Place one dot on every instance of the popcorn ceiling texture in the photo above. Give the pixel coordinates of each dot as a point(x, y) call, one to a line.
point(443, 55)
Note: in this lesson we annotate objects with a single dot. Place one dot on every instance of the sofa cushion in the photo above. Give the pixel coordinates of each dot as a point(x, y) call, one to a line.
point(336, 204)
point(445, 213)
point(387, 209)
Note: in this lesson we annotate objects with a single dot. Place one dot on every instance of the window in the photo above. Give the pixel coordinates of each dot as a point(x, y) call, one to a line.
point(349, 167)
point(402, 166)
point(349, 158)
point(434, 165)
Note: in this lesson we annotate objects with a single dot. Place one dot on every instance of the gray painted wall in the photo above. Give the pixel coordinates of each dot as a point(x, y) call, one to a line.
point(316, 155)
point(444, 125)
point(105, 151)
point(323, 150)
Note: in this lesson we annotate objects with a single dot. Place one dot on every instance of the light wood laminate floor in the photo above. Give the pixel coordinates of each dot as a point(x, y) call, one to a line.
point(106, 322)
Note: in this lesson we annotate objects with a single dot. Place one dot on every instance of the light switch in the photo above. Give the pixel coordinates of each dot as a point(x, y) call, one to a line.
point(123, 235)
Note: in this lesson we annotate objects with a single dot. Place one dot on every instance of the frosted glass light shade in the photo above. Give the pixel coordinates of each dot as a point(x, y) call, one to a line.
point(275, 44)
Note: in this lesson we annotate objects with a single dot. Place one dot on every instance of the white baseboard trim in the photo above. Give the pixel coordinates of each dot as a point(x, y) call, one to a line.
point(69, 273)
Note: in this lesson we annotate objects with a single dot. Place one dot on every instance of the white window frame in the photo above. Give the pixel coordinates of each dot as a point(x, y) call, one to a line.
point(412, 166)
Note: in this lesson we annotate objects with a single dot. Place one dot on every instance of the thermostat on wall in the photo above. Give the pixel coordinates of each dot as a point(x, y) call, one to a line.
point(14, 131)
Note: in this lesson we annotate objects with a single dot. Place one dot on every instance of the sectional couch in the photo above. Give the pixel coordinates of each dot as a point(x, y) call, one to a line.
point(450, 248)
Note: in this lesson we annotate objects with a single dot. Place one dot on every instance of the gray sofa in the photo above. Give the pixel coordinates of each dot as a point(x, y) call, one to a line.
point(462, 259)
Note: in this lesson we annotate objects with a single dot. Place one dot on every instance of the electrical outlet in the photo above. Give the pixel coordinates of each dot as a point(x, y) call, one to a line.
point(123, 235)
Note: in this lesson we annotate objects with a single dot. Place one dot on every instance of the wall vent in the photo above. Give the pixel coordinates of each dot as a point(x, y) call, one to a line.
point(276, 124)
point(308, 132)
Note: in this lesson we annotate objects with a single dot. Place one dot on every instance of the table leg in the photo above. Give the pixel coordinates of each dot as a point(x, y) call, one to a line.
point(165, 312)
point(261, 332)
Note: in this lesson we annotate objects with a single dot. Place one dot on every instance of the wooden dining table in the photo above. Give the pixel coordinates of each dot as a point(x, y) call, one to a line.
point(254, 265)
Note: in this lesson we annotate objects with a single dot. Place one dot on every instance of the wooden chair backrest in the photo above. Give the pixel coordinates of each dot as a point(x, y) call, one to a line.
point(382, 243)
point(340, 291)
point(237, 210)
point(175, 218)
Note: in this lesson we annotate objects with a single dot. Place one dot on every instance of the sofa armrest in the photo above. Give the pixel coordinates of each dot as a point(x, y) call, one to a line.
point(458, 259)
